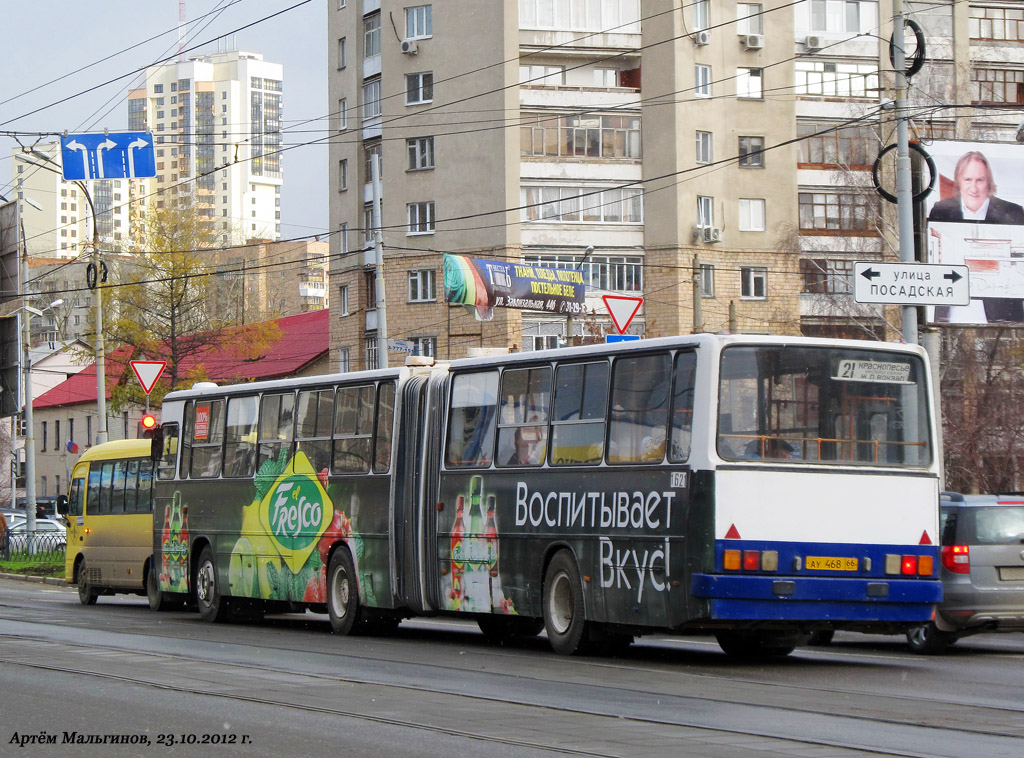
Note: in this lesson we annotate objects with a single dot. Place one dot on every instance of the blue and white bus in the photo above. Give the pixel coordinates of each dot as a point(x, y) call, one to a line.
point(755, 488)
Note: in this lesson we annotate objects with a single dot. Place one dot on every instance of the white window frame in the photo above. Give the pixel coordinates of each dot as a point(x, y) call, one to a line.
point(751, 216)
point(701, 14)
point(344, 360)
point(342, 53)
point(419, 86)
point(371, 106)
point(420, 217)
point(746, 79)
point(419, 22)
point(422, 286)
point(342, 175)
point(702, 79)
point(343, 300)
point(749, 18)
point(606, 77)
point(750, 277)
point(426, 346)
point(371, 35)
point(542, 76)
point(705, 211)
point(342, 114)
point(705, 147)
point(420, 151)
point(707, 280)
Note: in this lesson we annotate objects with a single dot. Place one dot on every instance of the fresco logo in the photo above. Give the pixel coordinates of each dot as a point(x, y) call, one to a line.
point(296, 511)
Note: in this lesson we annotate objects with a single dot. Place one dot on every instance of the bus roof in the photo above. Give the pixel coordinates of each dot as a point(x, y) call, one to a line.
point(118, 449)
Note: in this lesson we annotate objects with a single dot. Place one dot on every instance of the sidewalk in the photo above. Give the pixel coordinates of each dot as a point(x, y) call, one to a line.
point(56, 580)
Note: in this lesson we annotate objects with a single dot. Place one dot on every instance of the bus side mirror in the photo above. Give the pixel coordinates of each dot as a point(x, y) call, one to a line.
point(156, 449)
point(62, 505)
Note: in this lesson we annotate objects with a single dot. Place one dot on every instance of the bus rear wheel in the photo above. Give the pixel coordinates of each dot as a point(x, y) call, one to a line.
point(752, 645)
point(87, 594)
point(158, 601)
point(212, 607)
point(564, 614)
point(342, 593)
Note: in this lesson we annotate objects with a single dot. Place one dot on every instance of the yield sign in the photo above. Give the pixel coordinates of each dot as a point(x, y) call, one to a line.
point(147, 372)
point(622, 309)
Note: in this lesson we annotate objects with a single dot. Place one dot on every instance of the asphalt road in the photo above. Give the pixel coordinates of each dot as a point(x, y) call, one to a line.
point(168, 684)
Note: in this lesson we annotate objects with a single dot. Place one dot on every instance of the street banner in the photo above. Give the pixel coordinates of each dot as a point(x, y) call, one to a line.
point(482, 285)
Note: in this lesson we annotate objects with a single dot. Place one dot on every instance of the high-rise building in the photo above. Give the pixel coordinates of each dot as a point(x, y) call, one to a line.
point(216, 122)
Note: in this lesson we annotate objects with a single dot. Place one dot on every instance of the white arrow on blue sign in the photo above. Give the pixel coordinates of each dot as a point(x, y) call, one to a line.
point(123, 155)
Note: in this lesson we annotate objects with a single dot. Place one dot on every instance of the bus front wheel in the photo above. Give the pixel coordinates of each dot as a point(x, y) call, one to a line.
point(342, 593)
point(87, 594)
point(564, 615)
point(212, 607)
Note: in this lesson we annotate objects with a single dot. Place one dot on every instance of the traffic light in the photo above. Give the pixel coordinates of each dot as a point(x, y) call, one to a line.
point(147, 426)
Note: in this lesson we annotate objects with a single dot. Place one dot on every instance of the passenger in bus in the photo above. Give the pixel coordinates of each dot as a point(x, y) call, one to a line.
point(772, 447)
point(529, 447)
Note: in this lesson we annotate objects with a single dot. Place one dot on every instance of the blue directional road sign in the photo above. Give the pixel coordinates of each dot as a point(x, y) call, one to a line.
point(124, 155)
point(621, 337)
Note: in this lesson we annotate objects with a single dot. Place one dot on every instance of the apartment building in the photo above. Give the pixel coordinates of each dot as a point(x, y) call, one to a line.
point(216, 121)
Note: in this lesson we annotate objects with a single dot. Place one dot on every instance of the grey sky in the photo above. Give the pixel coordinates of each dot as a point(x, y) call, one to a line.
point(43, 41)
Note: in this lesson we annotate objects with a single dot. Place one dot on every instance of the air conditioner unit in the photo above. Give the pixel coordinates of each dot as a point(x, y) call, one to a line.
point(753, 41)
point(702, 37)
point(813, 42)
point(409, 47)
point(713, 234)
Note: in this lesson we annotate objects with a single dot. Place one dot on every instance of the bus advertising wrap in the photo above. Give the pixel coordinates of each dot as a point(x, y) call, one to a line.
point(482, 285)
point(976, 218)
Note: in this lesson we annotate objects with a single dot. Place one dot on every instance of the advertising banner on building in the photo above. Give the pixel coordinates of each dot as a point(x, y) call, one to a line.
point(976, 218)
point(483, 285)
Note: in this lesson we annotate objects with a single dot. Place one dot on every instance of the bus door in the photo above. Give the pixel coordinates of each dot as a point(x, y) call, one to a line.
point(435, 409)
point(406, 483)
point(76, 515)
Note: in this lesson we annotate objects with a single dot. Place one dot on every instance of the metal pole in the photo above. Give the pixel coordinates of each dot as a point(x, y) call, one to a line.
point(698, 306)
point(26, 366)
point(101, 367)
point(378, 245)
point(904, 191)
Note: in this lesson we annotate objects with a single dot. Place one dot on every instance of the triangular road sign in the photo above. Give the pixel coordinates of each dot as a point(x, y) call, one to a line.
point(147, 372)
point(622, 309)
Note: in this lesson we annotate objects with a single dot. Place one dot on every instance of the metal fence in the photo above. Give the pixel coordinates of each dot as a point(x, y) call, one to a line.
point(33, 548)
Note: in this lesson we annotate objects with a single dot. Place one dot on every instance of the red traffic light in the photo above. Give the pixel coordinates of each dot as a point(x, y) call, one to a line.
point(148, 421)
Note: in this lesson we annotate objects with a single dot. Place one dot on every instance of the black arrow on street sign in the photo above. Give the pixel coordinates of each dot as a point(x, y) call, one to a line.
point(953, 276)
point(869, 274)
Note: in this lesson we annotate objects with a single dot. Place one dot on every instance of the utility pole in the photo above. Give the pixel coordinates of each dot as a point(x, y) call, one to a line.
point(568, 318)
point(26, 366)
point(378, 284)
point(698, 306)
point(904, 187)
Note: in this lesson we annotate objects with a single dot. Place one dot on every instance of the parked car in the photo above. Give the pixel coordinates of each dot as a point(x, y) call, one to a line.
point(982, 543)
point(50, 535)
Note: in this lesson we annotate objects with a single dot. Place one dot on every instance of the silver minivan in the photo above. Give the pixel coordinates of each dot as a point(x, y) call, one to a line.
point(982, 570)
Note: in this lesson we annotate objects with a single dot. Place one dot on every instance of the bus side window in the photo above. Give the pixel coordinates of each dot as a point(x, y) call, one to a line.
point(186, 442)
point(207, 439)
point(76, 500)
point(92, 504)
point(523, 419)
point(106, 483)
point(240, 437)
point(471, 420)
point(353, 419)
point(682, 406)
point(577, 423)
point(313, 427)
point(131, 486)
point(639, 416)
point(277, 428)
point(144, 501)
point(117, 487)
point(385, 427)
point(166, 466)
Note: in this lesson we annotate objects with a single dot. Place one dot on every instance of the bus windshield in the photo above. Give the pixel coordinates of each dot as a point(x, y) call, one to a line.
point(823, 404)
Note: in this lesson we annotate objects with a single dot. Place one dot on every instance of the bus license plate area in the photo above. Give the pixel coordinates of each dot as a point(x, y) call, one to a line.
point(827, 563)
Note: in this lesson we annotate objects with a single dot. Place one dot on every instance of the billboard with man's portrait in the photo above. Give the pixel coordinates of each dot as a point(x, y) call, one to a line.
point(976, 218)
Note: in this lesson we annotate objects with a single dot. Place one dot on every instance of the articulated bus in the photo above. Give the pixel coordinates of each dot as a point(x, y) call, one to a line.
point(755, 488)
point(109, 510)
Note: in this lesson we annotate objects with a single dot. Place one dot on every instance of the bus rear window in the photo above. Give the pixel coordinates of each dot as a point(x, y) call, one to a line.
point(818, 404)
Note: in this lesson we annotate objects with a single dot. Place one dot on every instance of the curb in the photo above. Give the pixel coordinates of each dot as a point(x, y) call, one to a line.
point(57, 581)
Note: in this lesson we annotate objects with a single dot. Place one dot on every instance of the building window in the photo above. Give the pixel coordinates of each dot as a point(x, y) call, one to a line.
point(621, 273)
point(422, 286)
point(701, 14)
point(342, 54)
point(753, 283)
point(542, 76)
point(421, 153)
point(751, 152)
point(749, 19)
point(371, 98)
point(996, 23)
point(371, 35)
point(824, 276)
point(707, 280)
point(606, 77)
point(342, 114)
point(419, 88)
point(751, 214)
point(702, 88)
point(344, 362)
point(343, 300)
point(544, 341)
point(425, 346)
point(838, 211)
point(371, 149)
point(371, 352)
point(554, 204)
point(421, 217)
point(835, 79)
point(368, 228)
point(826, 144)
point(842, 16)
point(43, 447)
point(565, 15)
point(994, 85)
point(343, 237)
point(341, 4)
point(158, 88)
point(749, 83)
point(705, 152)
point(589, 136)
point(418, 22)
point(342, 175)
point(705, 211)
